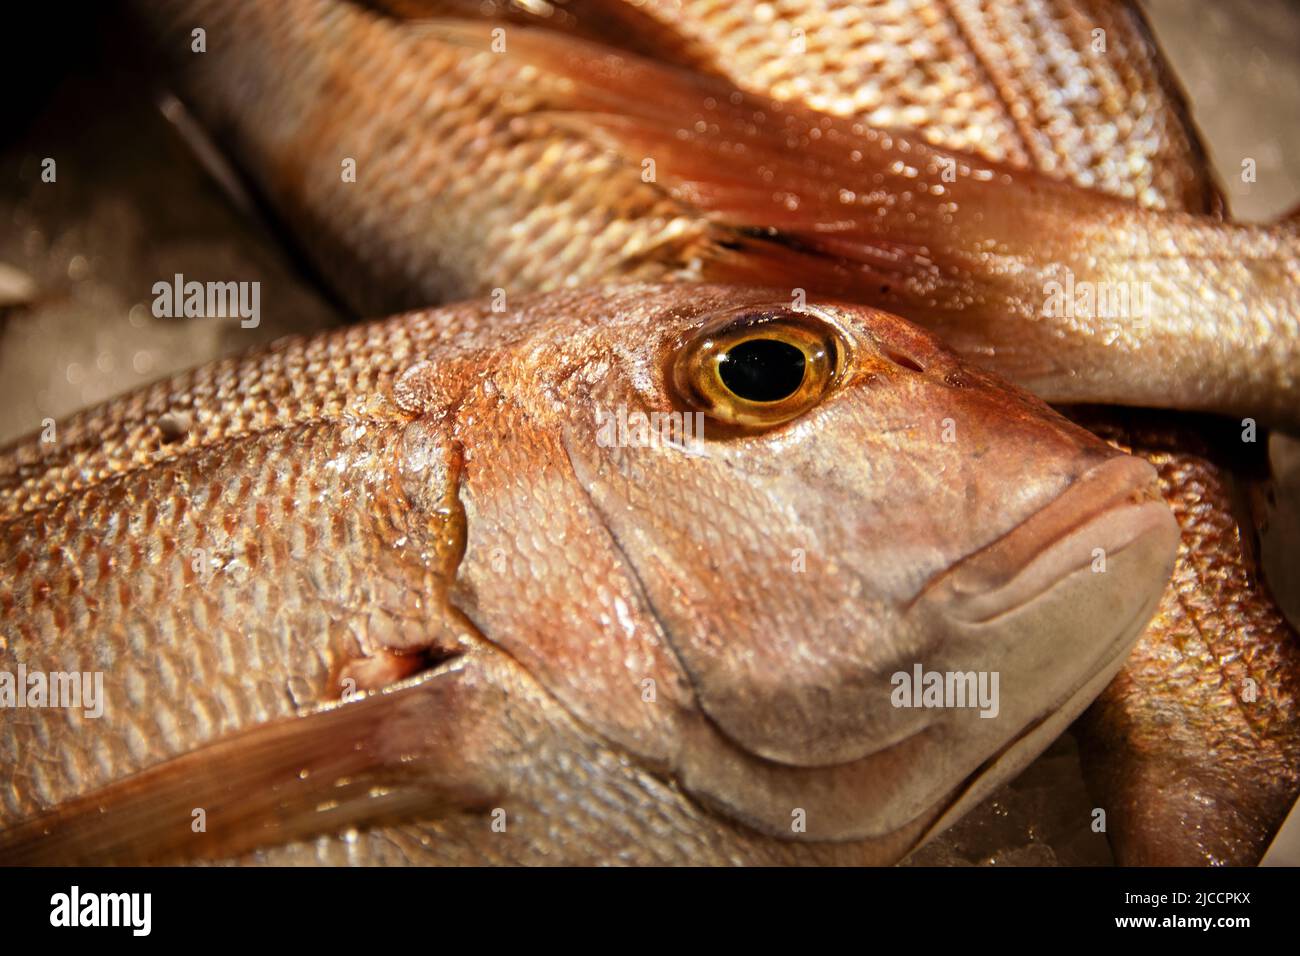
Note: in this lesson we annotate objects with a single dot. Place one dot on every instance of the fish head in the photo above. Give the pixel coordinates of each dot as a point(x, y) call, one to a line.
point(823, 507)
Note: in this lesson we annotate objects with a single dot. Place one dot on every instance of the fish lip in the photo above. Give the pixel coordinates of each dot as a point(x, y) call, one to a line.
point(1110, 507)
point(1014, 755)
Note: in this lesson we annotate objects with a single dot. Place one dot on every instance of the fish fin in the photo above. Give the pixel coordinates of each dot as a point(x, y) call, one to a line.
point(799, 199)
point(720, 151)
point(1128, 67)
point(390, 756)
point(211, 157)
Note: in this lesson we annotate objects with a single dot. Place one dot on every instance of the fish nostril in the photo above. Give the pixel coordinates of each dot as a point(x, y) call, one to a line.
point(901, 359)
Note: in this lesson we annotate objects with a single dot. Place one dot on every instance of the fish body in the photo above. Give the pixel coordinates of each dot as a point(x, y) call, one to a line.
point(396, 579)
point(422, 158)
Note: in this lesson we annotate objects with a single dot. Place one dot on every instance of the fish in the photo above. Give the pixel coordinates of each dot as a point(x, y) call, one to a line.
point(421, 158)
point(377, 591)
point(1022, 83)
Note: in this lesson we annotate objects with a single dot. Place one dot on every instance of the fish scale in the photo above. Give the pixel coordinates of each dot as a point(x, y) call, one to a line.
point(297, 382)
point(130, 602)
point(1019, 81)
point(496, 199)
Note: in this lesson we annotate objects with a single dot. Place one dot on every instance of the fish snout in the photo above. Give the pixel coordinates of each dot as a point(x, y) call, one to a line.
point(1052, 609)
point(1110, 517)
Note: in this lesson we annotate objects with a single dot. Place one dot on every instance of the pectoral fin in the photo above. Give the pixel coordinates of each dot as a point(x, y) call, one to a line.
point(798, 199)
point(815, 189)
point(400, 754)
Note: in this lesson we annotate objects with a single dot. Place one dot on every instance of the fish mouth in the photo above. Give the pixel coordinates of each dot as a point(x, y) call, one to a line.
point(1055, 606)
point(1111, 509)
point(1019, 752)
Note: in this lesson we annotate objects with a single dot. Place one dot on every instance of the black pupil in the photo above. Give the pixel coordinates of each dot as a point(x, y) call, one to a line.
point(762, 370)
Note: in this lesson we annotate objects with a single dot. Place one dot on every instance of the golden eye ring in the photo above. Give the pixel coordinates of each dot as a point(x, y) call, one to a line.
point(756, 368)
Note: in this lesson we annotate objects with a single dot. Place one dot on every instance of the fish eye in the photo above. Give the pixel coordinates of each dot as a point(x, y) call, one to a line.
point(759, 367)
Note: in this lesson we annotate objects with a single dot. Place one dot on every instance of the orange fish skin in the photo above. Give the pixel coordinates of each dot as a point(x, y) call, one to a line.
point(478, 195)
point(457, 190)
point(233, 546)
point(966, 75)
point(538, 165)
